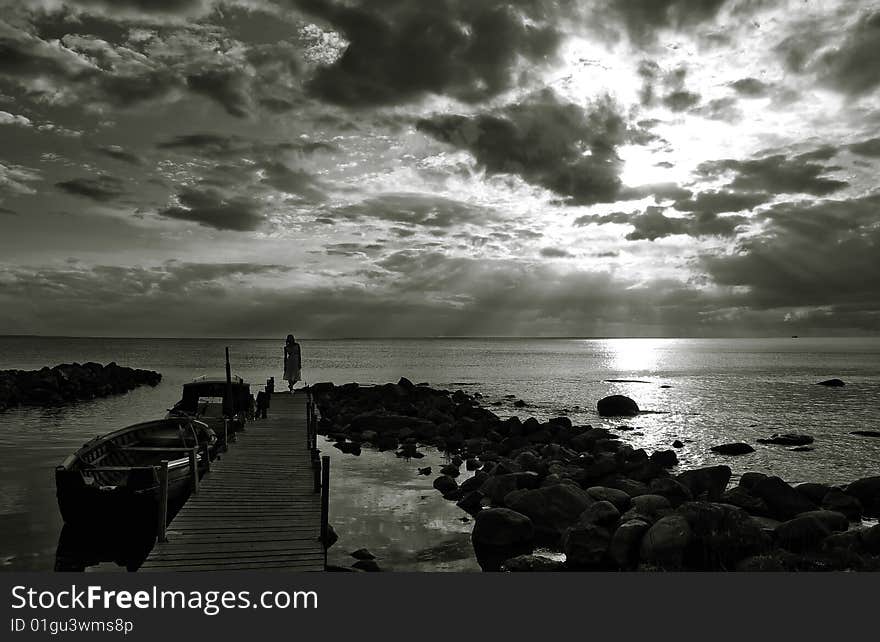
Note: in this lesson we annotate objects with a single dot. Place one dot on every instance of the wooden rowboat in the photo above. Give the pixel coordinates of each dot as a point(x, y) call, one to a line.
point(115, 477)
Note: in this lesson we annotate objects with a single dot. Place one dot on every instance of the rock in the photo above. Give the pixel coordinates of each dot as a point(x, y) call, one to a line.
point(602, 513)
point(848, 541)
point(445, 484)
point(677, 444)
point(531, 564)
point(425, 471)
point(837, 500)
point(787, 439)
point(472, 464)
point(406, 384)
point(802, 449)
point(870, 539)
point(552, 509)
point(475, 482)
point(783, 501)
point(617, 406)
point(450, 470)
point(651, 505)
point(497, 487)
point(631, 487)
point(866, 433)
point(519, 403)
point(500, 534)
point(832, 383)
point(749, 480)
point(370, 566)
point(673, 490)
point(664, 458)
point(867, 491)
point(626, 541)
point(665, 542)
point(739, 496)
point(620, 499)
point(721, 535)
point(813, 491)
point(362, 554)
point(586, 546)
point(708, 482)
point(832, 519)
point(735, 448)
point(802, 533)
point(471, 502)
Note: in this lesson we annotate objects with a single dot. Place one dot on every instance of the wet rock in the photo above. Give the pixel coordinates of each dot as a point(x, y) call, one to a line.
point(531, 564)
point(519, 403)
point(722, 535)
point(472, 464)
point(677, 444)
point(369, 566)
point(665, 458)
point(735, 448)
point(673, 490)
point(474, 483)
point(813, 491)
point(867, 491)
point(783, 501)
point(425, 471)
point(832, 383)
point(617, 406)
point(586, 546)
point(631, 487)
point(750, 480)
point(603, 513)
point(832, 519)
point(362, 554)
point(652, 505)
point(708, 482)
point(665, 542)
point(497, 487)
point(500, 534)
point(471, 502)
point(445, 484)
point(837, 500)
point(866, 433)
point(620, 499)
point(870, 539)
point(787, 439)
point(740, 497)
point(552, 509)
point(802, 533)
point(626, 542)
point(450, 470)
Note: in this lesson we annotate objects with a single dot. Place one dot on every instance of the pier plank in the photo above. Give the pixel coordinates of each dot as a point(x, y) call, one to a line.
point(256, 508)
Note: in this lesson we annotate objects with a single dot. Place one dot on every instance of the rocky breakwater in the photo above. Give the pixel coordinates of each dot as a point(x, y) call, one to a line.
point(607, 505)
point(69, 382)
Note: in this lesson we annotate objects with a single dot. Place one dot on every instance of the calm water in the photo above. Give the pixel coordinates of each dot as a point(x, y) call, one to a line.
point(721, 390)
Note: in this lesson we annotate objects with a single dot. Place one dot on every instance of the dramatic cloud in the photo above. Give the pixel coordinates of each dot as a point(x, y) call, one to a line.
point(777, 173)
point(102, 188)
point(560, 146)
point(399, 50)
point(642, 18)
point(416, 209)
point(750, 87)
point(212, 208)
point(851, 67)
point(653, 223)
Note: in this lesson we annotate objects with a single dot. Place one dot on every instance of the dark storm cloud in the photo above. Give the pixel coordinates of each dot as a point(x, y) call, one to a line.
point(557, 145)
point(821, 253)
point(399, 50)
point(851, 67)
point(118, 153)
point(660, 192)
point(652, 223)
point(775, 174)
point(555, 253)
point(148, 6)
point(227, 87)
point(291, 180)
point(718, 202)
point(417, 210)
point(102, 188)
point(869, 147)
point(750, 87)
point(642, 18)
point(681, 100)
point(666, 87)
point(212, 208)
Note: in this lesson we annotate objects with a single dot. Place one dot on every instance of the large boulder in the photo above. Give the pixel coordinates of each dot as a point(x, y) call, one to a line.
point(672, 489)
point(445, 484)
point(706, 483)
point(740, 497)
point(867, 491)
point(619, 498)
point(832, 383)
point(531, 564)
point(499, 534)
point(802, 534)
point(832, 519)
point(626, 542)
point(586, 546)
point(617, 406)
point(787, 439)
point(721, 535)
point(552, 509)
point(497, 487)
point(783, 501)
point(837, 500)
point(664, 544)
point(602, 513)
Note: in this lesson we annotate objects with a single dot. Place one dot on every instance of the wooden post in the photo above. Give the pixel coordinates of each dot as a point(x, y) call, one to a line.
point(194, 471)
point(316, 470)
point(325, 501)
point(162, 517)
point(225, 435)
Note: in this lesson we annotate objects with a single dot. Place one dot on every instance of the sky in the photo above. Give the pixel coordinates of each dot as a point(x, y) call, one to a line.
point(391, 168)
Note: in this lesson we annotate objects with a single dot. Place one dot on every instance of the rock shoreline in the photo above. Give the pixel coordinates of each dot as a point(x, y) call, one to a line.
point(70, 382)
point(607, 505)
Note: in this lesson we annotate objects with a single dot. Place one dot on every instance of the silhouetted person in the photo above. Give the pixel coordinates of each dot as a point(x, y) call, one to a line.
point(262, 404)
point(292, 362)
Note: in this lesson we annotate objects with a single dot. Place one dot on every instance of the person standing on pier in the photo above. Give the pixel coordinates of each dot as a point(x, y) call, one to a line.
point(292, 361)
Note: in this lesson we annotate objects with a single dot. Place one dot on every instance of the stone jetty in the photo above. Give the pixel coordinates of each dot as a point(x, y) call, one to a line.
point(606, 504)
point(69, 382)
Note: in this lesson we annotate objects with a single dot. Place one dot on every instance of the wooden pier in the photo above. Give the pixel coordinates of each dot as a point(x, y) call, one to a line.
point(261, 505)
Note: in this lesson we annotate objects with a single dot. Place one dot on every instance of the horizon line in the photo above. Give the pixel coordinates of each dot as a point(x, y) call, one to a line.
point(437, 337)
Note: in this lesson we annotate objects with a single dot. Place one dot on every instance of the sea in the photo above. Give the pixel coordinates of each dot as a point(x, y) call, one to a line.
point(702, 392)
